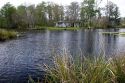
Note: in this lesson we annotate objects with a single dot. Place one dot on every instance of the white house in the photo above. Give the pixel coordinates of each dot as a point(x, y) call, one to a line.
point(67, 24)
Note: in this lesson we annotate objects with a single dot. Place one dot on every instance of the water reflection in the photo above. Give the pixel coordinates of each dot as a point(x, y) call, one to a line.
point(20, 58)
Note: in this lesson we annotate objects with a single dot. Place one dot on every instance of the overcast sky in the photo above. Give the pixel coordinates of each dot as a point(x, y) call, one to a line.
point(120, 3)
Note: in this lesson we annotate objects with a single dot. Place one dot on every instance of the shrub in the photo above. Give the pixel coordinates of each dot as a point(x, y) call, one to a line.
point(81, 70)
point(5, 35)
point(67, 69)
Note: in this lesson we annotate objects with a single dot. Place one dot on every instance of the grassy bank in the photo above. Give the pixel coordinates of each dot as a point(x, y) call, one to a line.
point(38, 28)
point(5, 34)
point(54, 28)
point(114, 33)
point(61, 28)
point(86, 70)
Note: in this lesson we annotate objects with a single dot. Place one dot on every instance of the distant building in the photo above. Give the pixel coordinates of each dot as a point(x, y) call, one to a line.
point(67, 24)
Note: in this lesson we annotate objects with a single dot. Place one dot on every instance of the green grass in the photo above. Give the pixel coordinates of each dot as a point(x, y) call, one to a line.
point(61, 28)
point(81, 69)
point(5, 34)
point(114, 33)
point(86, 70)
point(110, 32)
point(55, 28)
point(39, 28)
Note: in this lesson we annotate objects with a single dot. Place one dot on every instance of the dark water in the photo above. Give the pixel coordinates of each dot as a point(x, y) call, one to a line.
point(22, 57)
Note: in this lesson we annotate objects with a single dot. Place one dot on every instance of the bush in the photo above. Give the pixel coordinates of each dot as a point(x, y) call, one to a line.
point(86, 70)
point(5, 35)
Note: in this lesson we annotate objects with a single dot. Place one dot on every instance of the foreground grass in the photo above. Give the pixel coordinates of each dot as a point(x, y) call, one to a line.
point(61, 28)
point(82, 69)
point(86, 70)
point(5, 34)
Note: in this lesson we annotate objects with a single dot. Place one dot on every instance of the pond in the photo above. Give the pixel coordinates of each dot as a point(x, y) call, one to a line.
point(25, 56)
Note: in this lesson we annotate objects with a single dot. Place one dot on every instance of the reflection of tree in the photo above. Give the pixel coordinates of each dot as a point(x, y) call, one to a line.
point(110, 42)
point(85, 42)
point(89, 41)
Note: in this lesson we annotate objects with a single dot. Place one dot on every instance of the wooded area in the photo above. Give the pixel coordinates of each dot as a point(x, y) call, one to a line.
point(45, 14)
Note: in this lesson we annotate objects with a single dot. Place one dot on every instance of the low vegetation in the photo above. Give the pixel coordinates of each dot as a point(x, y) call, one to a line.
point(55, 28)
point(86, 70)
point(38, 28)
point(62, 28)
point(114, 33)
point(5, 34)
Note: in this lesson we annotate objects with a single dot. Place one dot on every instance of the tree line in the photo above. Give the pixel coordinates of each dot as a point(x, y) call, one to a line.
point(46, 14)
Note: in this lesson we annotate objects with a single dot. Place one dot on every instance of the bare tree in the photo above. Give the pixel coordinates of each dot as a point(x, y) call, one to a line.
point(112, 14)
point(73, 11)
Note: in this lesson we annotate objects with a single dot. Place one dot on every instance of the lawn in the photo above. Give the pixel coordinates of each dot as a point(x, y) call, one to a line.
point(62, 28)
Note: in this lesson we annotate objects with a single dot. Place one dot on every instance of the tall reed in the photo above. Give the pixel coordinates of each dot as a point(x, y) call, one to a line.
point(99, 69)
point(81, 69)
point(5, 35)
